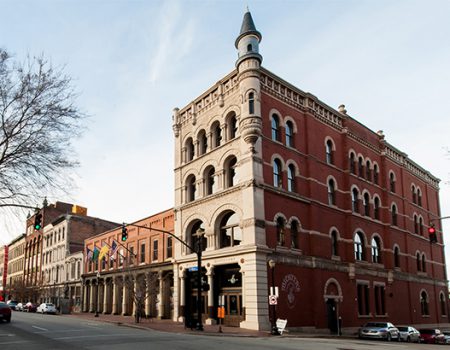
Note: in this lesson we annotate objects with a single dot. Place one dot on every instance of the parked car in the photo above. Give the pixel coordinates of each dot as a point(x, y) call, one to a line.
point(409, 334)
point(447, 336)
point(12, 304)
point(432, 336)
point(47, 308)
point(30, 307)
point(379, 330)
point(5, 312)
point(19, 307)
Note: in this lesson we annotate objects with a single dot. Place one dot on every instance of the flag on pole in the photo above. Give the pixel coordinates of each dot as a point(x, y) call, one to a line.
point(88, 255)
point(95, 253)
point(103, 251)
point(113, 250)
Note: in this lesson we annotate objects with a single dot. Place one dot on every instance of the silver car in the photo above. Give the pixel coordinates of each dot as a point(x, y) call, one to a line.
point(379, 330)
point(409, 334)
point(47, 308)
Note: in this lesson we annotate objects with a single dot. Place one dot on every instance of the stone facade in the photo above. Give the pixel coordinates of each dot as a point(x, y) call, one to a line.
point(16, 263)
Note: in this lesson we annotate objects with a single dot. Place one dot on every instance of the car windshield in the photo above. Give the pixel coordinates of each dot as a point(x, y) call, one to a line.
point(403, 329)
point(427, 331)
point(49, 304)
point(376, 324)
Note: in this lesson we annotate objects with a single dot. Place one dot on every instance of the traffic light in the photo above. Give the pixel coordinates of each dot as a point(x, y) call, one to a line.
point(432, 233)
point(38, 222)
point(124, 233)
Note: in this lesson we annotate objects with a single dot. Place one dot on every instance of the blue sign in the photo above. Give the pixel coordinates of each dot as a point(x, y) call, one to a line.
point(194, 268)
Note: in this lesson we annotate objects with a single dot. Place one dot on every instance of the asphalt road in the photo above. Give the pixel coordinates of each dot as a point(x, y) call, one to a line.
point(35, 331)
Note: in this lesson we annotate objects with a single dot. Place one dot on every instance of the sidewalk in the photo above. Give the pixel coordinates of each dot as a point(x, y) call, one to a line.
point(168, 325)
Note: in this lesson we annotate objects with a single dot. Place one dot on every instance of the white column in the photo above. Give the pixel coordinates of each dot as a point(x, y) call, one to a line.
point(92, 297)
point(135, 289)
point(210, 275)
point(160, 295)
point(105, 296)
point(115, 296)
point(181, 297)
point(85, 297)
point(147, 294)
point(125, 296)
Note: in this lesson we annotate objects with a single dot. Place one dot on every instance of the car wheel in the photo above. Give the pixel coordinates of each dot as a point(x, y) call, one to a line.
point(8, 320)
point(408, 340)
point(388, 337)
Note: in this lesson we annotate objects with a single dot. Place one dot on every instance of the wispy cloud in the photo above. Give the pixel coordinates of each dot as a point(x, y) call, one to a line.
point(175, 37)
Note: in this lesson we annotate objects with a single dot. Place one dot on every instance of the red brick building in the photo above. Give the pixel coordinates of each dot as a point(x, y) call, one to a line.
point(271, 173)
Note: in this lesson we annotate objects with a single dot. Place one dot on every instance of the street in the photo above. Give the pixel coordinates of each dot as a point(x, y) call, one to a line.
point(36, 331)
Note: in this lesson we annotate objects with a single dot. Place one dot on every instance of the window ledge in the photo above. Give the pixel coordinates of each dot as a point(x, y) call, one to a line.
point(365, 316)
point(336, 258)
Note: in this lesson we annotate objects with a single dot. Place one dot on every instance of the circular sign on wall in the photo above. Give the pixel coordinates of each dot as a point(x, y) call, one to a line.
point(291, 286)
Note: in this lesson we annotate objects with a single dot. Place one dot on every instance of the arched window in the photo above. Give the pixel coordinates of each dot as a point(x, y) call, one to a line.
point(368, 171)
point(424, 304)
point(230, 172)
point(216, 134)
point(392, 182)
point(194, 238)
point(189, 149)
point(209, 180)
point(414, 194)
point(419, 197)
point(329, 151)
point(291, 178)
point(275, 123)
point(289, 134)
point(376, 250)
point(418, 262)
point(352, 163)
point(396, 257)
point(294, 234)
point(421, 226)
point(331, 192)
point(277, 176)
point(249, 48)
point(230, 232)
point(334, 243)
point(202, 142)
point(442, 304)
point(375, 174)
point(190, 188)
point(280, 231)
point(376, 208)
point(359, 247)
point(416, 225)
point(360, 167)
point(251, 102)
point(232, 127)
point(355, 204)
point(366, 204)
point(424, 265)
point(394, 215)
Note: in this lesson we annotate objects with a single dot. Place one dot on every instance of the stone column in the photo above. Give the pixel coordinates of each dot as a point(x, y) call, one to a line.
point(106, 289)
point(85, 297)
point(92, 297)
point(135, 289)
point(115, 296)
point(125, 296)
point(182, 296)
point(160, 295)
point(148, 300)
point(210, 276)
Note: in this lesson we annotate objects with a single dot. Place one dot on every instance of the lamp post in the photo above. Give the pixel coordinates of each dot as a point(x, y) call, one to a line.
point(96, 296)
point(274, 330)
point(199, 234)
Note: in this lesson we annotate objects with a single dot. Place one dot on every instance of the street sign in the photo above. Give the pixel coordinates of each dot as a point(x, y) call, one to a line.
point(193, 268)
point(272, 300)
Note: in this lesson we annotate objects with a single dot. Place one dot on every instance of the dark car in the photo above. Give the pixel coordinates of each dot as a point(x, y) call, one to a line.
point(432, 336)
point(379, 330)
point(30, 307)
point(5, 312)
point(12, 304)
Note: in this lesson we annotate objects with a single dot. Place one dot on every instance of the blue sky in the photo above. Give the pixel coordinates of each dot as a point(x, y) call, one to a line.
point(132, 62)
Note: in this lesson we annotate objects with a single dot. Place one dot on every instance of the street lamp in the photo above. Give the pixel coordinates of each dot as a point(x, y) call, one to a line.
point(274, 330)
point(96, 301)
point(199, 234)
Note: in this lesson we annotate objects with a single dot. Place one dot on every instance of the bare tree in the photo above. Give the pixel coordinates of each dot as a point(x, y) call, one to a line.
point(38, 122)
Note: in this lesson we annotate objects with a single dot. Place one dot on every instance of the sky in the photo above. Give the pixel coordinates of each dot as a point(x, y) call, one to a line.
point(133, 61)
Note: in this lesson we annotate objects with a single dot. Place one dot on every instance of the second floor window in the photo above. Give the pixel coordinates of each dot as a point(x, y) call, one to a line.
point(142, 253)
point(275, 124)
point(155, 250)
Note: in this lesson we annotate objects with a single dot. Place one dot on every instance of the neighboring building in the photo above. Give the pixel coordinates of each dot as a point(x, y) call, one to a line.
point(63, 237)
point(73, 285)
point(272, 173)
point(141, 269)
point(3, 271)
point(16, 263)
point(33, 247)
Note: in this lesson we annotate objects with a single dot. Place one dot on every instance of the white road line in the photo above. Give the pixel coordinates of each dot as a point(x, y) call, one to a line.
point(93, 336)
point(42, 329)
point(63, 331)
point(7, 335)
point(15, 342)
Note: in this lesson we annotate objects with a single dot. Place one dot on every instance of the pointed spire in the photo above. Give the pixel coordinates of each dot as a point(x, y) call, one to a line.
point(247, 27)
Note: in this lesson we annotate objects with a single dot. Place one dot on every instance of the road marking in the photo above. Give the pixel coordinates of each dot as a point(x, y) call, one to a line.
point(42, 329)
point(15, 342)
point(7, 335)
point(93, 336)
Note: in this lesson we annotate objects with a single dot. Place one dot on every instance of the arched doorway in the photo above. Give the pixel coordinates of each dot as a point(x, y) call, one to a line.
point(332, 297)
